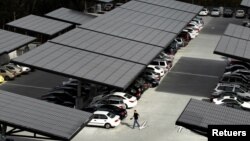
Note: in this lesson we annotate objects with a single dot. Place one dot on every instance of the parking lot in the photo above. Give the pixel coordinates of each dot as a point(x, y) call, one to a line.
point(194, 75)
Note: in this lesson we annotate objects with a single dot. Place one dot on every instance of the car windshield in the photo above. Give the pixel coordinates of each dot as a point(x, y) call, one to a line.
point(111, 115)
point(158, 68)
point(240, 11)
point(240, 100)
point(215, 10)
point(128, 96)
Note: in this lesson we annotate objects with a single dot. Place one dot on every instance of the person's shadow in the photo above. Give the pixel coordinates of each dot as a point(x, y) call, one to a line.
point(126, 124)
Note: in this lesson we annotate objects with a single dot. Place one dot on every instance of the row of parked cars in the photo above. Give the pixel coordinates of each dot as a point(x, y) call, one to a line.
point(233, 87)
point(10, 71)
point(109, 105)
point(226, 12)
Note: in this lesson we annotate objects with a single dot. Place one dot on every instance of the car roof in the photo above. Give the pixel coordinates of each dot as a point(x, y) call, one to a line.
point(101, 112)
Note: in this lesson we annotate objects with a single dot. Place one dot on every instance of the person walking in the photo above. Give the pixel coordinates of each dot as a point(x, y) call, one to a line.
point(136, 117)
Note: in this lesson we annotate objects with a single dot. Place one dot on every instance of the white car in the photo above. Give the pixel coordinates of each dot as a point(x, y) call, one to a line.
point(204, 12)
point(239, 89)
point(104, 119)
point(231, 101)
point(129, 100)
point(240, 14)
point(195, 26)
point(215, 12)
point(24, 69)
point(192, 31)
point(192, 35)
point(156, 69)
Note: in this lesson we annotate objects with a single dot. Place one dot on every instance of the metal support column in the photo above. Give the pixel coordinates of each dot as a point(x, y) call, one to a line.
point(79, 98)
point(3, 132)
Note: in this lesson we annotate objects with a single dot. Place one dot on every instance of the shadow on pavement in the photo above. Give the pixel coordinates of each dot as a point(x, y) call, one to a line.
point(192, 76)
point(126, 124)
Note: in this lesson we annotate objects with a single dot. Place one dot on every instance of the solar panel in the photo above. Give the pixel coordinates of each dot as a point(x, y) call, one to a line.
point(245, 3)
point(71, 16)
point(10, 41)
point(41, 117)
point(109, 45)
point(199, 114)
point(139, 18)
point(130, 31)
point(40, 25)
point(159, 11)
point(238, 31)
point(234, 48)
point(82, 65)
point(175, 5)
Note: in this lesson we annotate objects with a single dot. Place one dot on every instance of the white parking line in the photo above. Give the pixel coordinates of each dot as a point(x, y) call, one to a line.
point(28, 86)
point(201, 75)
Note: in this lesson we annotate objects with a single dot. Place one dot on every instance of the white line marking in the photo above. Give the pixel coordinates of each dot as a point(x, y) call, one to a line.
point(201, 75)
point(28, 86)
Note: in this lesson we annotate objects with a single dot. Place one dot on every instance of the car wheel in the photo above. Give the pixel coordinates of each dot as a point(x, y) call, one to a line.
point(107, 125)
point(6, 78)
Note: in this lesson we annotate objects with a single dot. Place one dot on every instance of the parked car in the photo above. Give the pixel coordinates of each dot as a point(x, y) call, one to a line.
point(228, 12)
point(110, 108)
point(14, 69)
point(58, 100)
point(200, 23)
point(194, 26)
point(240, 13)
point(162, 64)
point(232, 101)
point(135, 92)
point(153, 82)
point(1, 79)
point(152, 74)
point(156, 69)
point(222, 94)
point(204, 12)
point(246, 73)
point(129, 100)
point(7, 75)
point(104, 119)
point(246, 23)
point(239, 89)
point(185, 36)
point(119, 102)
point(234, 80)
point(215, 12)
point(191, 33)
point(64, 95)
point(235, 67)
point(24, 68)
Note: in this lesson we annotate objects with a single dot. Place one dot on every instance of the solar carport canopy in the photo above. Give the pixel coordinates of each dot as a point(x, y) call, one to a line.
point(139, 18)
point(199, 114)
point(109, 45)
point(235, 43)
point(71, 16)
point(10, 41)
point(82, 65)
point(159, 11)
point(40, 25)
point(175, 5)
point(41, 117)
point(245, 3)
point(131, 31)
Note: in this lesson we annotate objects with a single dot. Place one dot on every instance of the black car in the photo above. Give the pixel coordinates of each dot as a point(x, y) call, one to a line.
point(111, 108)
point(65, 96)
point(58, 100)
point(134, 92)
point(153, 82)
point(228, 12)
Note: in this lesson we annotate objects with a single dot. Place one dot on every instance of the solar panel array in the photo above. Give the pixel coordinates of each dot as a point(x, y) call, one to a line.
point(71, 16)
point(146, 20)
point(10, 41)
point(160, 11)
point(175, 5)
point(235, 43)
point(83, 65)
point(115, 47)
point(199, 114)
point(245, 3)
point(109, 45)
point(41, 117)
point(131, 31)
point(40, 25)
